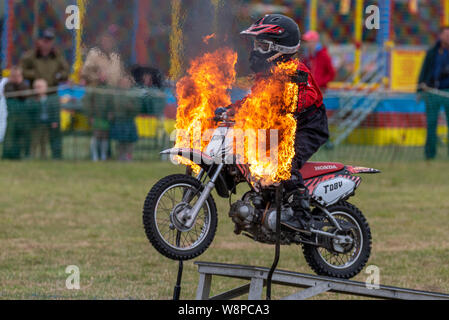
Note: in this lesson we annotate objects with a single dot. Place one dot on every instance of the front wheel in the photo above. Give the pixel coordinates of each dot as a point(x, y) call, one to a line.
point(342, 260)
point(165, 231)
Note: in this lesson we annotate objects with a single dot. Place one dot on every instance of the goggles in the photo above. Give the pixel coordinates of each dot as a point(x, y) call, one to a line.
point(265, 46)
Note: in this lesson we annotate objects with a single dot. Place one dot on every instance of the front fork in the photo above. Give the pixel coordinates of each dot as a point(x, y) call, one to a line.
point(189, 216)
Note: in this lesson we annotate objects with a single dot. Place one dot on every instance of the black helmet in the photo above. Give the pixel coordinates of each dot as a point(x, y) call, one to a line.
point(275, 33)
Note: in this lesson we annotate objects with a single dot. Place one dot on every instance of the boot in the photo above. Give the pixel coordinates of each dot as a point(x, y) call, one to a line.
point(299, 201)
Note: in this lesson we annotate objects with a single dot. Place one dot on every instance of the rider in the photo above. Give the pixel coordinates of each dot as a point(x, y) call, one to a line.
point(277, 38)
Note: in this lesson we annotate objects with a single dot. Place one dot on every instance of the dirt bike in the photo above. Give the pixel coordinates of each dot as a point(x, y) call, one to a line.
point(180, 214)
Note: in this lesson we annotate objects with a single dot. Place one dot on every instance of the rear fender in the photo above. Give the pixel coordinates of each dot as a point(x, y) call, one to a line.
point(205, 162)
point(330, 189)
point(359, 170)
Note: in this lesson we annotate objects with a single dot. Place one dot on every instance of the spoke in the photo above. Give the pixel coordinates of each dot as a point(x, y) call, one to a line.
point(173, 198)
point(196, 232)
point(184, 242)
point(164, 210)
point(200, 222)
point(191, 238)
point(163, 221)
point(164, 227)
point(168, 231)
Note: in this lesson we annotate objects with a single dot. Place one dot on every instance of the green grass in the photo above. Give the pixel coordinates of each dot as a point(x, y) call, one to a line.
point(57, 214)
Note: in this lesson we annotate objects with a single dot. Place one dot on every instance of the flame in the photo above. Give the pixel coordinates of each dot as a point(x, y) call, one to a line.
point(200, 93)
point(206, 39)
point(270, 106)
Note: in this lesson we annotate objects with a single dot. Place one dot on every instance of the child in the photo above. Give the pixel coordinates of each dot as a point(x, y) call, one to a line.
point(277, 38)
point(45, 121)
point(126, 109)
point(98, 104)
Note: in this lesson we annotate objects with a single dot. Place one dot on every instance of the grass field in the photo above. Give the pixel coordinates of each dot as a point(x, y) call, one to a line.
point(57, 214)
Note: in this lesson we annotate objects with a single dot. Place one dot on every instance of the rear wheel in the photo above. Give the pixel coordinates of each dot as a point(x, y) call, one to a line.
point(161, 218)
point(342, 260)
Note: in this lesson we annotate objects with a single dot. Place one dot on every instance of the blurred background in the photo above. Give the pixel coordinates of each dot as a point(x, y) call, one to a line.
point(371, 98)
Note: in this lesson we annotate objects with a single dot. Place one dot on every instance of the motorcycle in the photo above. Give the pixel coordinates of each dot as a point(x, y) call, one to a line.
point(180, 215)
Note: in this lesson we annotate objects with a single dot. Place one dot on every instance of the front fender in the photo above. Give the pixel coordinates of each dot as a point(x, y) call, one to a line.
point(205, 162)
point(196, 156)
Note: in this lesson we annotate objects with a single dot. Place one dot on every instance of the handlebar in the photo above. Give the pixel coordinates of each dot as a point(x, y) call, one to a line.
point(224, 118)
point(221, 115)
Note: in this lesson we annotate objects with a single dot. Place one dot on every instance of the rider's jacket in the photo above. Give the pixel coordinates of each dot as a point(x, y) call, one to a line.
point(309, 92)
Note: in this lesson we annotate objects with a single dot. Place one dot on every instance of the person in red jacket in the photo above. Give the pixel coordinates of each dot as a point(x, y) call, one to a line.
point(277, 39)
point(318, 60)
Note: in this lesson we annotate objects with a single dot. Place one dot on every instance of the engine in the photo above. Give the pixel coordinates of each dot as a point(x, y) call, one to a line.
point(253, 216)
point(244, 215)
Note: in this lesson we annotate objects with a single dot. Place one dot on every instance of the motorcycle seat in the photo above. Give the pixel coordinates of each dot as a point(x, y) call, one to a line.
point(316, 169)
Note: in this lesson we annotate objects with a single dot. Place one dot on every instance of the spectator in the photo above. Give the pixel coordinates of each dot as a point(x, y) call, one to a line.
point(147, 77)
point(98, 105)
point(150, 80)
point(105, 62)
point(106, 59)
point(124, 129)
point(45, 118)
point(317, 59)
point(17, 137)
point(45, 62)
point(434, 88)
point(3, 109)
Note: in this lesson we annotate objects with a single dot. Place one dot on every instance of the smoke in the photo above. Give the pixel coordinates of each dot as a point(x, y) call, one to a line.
point(194, 23)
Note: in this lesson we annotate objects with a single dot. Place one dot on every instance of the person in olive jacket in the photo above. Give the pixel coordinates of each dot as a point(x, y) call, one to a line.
point(45, 62)
point(45, 117)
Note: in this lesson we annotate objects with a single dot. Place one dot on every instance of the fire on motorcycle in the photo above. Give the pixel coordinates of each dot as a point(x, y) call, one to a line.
point(180, 215)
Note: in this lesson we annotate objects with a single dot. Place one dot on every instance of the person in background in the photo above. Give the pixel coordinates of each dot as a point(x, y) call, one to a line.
point(123, 129)
point(433, 88)
point(17, 137)
point(98, 104)
point(105, 60)
point(150, 81)
point(318, 60)
point(147, 77)
point(45, 118)
point(3, 109)
point(45, 62)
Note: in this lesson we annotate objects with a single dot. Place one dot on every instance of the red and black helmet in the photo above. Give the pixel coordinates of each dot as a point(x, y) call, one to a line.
point(275, 32)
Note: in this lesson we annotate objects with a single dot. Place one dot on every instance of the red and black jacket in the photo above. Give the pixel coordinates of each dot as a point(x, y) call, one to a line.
point(309, 92)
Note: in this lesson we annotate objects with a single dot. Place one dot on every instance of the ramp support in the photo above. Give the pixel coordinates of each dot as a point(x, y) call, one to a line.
point(311, 285)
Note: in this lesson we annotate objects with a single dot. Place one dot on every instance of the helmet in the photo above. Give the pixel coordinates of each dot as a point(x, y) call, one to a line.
point(275, 33)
